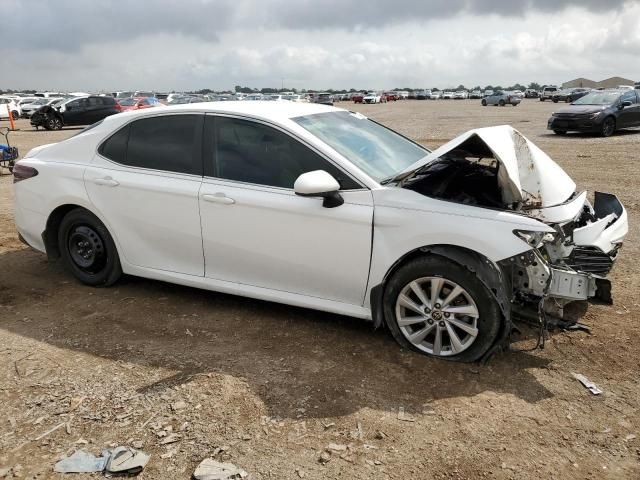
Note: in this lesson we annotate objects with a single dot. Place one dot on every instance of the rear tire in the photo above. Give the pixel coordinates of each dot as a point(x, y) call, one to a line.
point(475, 333)
point(484, 103)
point(501, 103)
point(88, 250)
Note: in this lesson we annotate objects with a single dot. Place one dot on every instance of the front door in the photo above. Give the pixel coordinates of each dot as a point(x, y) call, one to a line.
point(257, 231)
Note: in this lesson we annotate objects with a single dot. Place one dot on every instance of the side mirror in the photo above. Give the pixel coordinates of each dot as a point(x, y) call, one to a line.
point(319, 184)
point(625, 104)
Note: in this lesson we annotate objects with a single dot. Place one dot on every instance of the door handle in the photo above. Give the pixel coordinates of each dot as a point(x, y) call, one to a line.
point(218, 198)
point(106, 182)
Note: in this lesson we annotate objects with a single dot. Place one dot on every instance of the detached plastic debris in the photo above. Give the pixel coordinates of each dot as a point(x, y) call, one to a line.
point(119, 460)
point(592, 387)
point(209, 469)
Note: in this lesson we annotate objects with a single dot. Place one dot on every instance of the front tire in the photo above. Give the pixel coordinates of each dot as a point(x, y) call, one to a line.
point(88, 250)
point(501, 103)
point(484, 103)
point(437, 307)
point(608, 127)
point(54, 123)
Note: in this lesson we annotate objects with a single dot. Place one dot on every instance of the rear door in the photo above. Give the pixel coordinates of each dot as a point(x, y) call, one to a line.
point(144, 181)
point(257, 231)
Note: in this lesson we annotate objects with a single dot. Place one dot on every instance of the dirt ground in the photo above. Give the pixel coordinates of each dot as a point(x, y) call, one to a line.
point(288, 393)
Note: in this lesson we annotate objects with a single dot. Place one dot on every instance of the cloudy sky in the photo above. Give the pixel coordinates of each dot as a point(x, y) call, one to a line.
point(193, 44)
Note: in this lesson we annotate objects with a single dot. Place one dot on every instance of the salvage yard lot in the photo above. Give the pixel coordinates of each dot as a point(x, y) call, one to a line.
point(270, 387)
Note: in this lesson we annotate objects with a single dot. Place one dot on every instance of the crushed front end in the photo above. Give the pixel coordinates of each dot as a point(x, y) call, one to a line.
point(572, 263)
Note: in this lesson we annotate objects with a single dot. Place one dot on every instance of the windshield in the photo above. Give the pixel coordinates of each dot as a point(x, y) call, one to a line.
point(598, 98)
point(376, 150)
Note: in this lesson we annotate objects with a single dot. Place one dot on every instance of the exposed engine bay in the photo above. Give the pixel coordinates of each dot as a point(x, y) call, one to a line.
point(498, 168)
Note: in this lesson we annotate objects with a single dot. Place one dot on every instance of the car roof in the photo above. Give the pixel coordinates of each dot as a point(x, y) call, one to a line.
point(268, 110)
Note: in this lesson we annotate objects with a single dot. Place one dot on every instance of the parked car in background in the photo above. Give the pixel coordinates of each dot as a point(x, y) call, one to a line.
point(390, 96)
point(501, 99)
point(475, 94)
point(422, 94)
point(531, 93)
point(461, 95)
point(75, 111)
point(548, 92)
point(138, 103)
point(143, 93)
point(12, 106)
point(31, 106)
point(517, 93)
point(569, 95)
point(374, 97)
point(448, 95)
point(599, 111)
point(357, 97)
point(435, 95)
point(322, 98)
point(122, 94)
point(403, 94)
point(307, 187)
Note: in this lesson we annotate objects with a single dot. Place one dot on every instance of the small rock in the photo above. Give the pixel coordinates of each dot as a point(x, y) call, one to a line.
point(173, 438)
point(138, 444)
point(4, 472)
point(324, 458)
point(337, 447)
point(180, 405)
point(209, 469)
point(300, 473)
point(629, 437)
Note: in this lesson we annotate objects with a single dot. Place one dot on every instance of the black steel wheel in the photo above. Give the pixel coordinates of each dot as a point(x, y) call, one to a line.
point(87, 249)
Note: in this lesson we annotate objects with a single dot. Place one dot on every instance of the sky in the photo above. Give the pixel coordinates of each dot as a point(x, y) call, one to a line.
point(164, 45)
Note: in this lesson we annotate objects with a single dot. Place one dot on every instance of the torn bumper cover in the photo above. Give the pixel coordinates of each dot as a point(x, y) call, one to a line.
point(573, 263)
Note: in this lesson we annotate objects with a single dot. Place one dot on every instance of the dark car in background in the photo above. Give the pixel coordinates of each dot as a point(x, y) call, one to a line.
point(322, 98)
point(75, 111)
point(600, 111)
point(569, 94)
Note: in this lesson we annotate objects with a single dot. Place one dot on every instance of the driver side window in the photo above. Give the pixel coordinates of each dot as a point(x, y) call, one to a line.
point(252, 152)
point(629, 96)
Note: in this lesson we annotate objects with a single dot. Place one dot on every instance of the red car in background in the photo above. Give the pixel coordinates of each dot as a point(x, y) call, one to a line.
point(357, 97)
point(391, 96)
point(138, 103)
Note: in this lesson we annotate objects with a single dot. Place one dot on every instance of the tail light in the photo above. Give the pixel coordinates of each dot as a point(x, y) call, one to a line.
point(23, 172)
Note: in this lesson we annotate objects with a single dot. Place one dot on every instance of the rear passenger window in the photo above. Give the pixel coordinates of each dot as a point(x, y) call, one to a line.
point(170, 143)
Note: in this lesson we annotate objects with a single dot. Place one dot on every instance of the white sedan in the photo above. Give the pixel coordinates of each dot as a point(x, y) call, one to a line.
point(374, 97)
point(319, 207)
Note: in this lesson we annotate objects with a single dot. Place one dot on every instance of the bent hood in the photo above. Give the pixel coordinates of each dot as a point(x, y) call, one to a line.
point(527, 174)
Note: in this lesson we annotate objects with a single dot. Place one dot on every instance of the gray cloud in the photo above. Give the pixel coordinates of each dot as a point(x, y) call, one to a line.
point(68, 25)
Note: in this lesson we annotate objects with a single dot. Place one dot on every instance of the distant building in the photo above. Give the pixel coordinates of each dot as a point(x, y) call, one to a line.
point(580, 83)
point(606, 83)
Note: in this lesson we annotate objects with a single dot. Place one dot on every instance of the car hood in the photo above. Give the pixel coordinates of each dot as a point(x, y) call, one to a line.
point(529, 176)
point(581, 109)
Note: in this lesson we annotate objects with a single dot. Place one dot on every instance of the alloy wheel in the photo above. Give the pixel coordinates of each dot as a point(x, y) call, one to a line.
point(437, 316)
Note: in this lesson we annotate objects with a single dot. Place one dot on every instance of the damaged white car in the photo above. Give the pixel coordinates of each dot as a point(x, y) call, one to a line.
point(323, 208)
